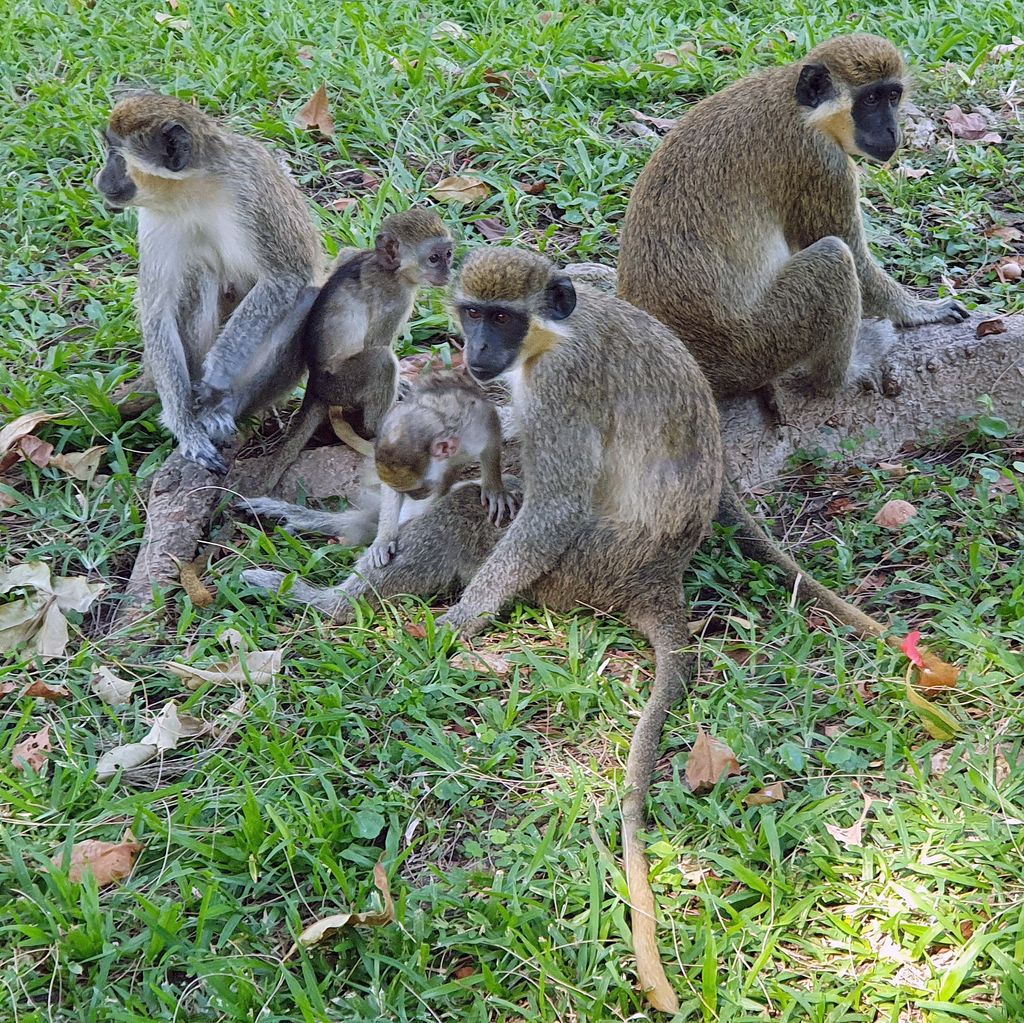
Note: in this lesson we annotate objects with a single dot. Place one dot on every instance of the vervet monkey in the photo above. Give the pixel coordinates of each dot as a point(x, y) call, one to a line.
point(622, 464)
point(444, 424)
point(228, 256)
point(357, 316)
point(744, 232)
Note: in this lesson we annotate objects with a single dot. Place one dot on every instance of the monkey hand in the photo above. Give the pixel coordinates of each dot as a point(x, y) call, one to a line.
point(381, 551)
point(217, 420)
point(940, 310)
point(499, 504)
point(201, 450)
point(464, 621)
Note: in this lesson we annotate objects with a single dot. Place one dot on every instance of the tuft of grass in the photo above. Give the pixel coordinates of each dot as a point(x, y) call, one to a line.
point(493, 801)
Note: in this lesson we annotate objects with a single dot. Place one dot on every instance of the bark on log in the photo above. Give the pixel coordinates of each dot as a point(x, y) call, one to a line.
point(944, 370)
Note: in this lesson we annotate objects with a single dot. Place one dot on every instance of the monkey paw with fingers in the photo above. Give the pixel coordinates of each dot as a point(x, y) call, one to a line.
point(501, 505)
point(381, 551)
point(940, 310)
point(213, 409)
point(203, 451)
point(464, 622)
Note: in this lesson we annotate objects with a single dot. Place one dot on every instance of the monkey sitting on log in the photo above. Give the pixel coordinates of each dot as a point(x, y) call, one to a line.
point(744, 231)
point(228, 256)
point(353, 323)
point(444, 424)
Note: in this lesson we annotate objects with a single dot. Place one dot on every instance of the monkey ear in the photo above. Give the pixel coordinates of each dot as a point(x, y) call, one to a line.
point(389, 256)
point(177, 143)
point(445, 447)
point(559, 298)
point(814, 86)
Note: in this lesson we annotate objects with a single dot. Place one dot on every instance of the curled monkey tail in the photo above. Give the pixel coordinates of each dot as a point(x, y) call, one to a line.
point(755, 543)
point(668, 633)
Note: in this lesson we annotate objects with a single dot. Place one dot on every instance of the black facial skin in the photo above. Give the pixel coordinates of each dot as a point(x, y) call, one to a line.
point(494, 334)
point(874, 119)
point(113, 182)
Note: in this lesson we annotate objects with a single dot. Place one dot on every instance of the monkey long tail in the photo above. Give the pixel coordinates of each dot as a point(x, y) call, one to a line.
point(756, 544)
point(672, 669)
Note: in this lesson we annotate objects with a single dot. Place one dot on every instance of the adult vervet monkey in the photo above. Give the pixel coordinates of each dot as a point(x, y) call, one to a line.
point(744, 231)
point(228, 254)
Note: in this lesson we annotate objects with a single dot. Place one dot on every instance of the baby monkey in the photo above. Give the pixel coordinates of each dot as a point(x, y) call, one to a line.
point(348, 335)
point(444, 424)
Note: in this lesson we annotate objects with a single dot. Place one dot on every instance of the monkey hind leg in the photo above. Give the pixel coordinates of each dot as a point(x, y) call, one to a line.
point(808, 317)
point(869, 364)
point(356, 525)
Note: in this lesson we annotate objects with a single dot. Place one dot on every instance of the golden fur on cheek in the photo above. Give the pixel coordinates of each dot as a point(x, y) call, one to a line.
point(537, 342)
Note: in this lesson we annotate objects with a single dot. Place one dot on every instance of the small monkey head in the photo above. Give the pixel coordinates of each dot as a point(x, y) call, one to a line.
point(851, 88)
point(417, 244)
point(510, 303)
point(150, 139)
point(412, 449)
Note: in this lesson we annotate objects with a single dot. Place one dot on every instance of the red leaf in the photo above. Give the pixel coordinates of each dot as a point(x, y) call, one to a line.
point(909, 647)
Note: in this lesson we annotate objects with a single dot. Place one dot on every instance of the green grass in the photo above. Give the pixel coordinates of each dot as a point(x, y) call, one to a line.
point(493, 802)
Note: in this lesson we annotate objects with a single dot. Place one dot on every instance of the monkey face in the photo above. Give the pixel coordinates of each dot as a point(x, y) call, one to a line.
point(436, 262)
point(113, 181)
point(494, 335)
point(875, 131)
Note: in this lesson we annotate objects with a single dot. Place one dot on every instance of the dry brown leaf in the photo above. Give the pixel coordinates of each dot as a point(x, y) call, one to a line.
point(545, 17)
point(108, 861)
point(34, 450)
point(853, 835)
point(1009, 271)
point(344, 202)
point(81, 465)
point(317, 113)
point(969, 127)
point(111, 690)
point(31, 752)
point(940, 762)
point(534, 187)
point(45, 692)
point(768, 795)
point(482, 661)
point(895, 514)
point(21, 427)
point(912, 173)
point(322, 929)
point(1006, 48)
point(170, 728)
point(661, 123)
point(993, 325)
point(163, 18)
point(1004, 233)
point(500, 83)
point(709, 761)
point(491, 228)
point(193, 585)
point(258, 666)
point(414, 629)
point(127, 758)
point(461, 189)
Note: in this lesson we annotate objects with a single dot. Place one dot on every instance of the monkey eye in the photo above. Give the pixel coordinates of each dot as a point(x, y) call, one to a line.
point(894, 97)
point(500, 317)
point(448, 254)
point(434, 258)
point(871, 99)
point(472, 312)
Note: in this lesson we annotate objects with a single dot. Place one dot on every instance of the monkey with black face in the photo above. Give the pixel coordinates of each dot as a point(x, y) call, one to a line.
point(228, 256)
point(444, 424)
point(353, 323)
point(744, 232)
point(622, 463)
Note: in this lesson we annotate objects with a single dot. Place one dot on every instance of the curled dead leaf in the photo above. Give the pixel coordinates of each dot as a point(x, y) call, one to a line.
point(34, 450)
point(912, 173)
point(482, 661)
point(769, 794)
point(260, 667)
point(80, 465)
point(415, 629)
point(1009, 271)
point(44, 692)
point(461, 190)
point(1004, 232)
point(107, 861)
point(534, 187)
point(710, 760)
point(895, 514)
point(317, 113)
point(661, 123)
point(448, 30)
point(853, 835)
point(110, 689)
point(21, 427)
point(319, 930)
point(124, 758)
point(170, 727)
point(491, 228)
point(31, 752)
point(969, 127)
point(993, 325)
